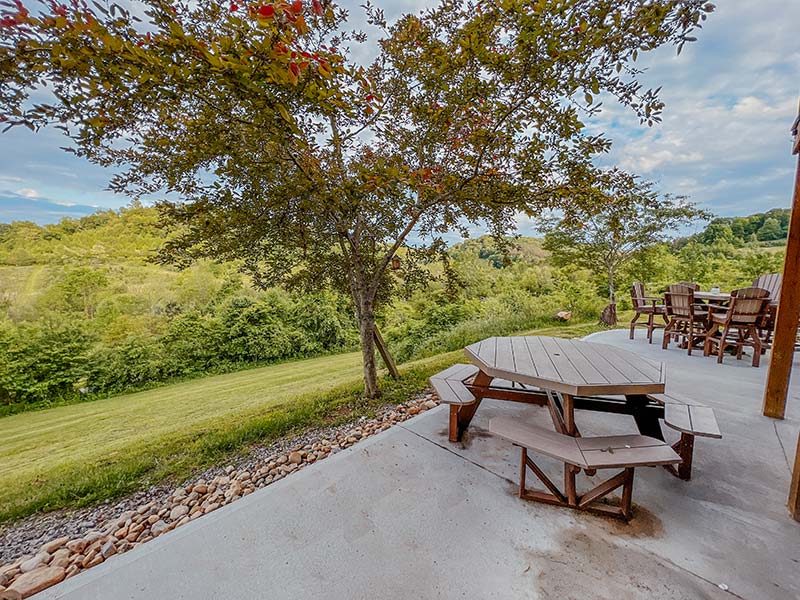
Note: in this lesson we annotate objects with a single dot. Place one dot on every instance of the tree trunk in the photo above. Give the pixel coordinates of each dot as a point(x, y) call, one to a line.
point(366, 328)
point(609, 315)
point(612, 293)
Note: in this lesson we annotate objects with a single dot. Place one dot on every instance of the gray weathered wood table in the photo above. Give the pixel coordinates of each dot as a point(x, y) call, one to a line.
point(531, 369)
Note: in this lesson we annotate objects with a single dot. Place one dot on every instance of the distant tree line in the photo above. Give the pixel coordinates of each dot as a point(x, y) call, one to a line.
point(771, 226)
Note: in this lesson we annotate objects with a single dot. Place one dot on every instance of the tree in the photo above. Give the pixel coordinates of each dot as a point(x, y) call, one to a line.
point(77, 290)
point(770, 230)
point(622, 216)
point(314, 169)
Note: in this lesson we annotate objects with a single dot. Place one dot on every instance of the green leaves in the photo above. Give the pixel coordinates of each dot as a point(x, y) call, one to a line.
point(315, 166)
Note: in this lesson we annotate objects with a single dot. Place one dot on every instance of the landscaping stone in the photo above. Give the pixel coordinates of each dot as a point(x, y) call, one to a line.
point(177, 512)
point(37, 580)
point(34, 563)
point(51, 547)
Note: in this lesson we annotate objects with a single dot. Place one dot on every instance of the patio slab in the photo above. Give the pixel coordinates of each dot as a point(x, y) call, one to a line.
point(405, 514)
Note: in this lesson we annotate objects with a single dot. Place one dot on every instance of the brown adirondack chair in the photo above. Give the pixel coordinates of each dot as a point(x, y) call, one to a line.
point(651, 306)
point(690, 284)
point(738, 324)
point(771, 283)
point(686, 319)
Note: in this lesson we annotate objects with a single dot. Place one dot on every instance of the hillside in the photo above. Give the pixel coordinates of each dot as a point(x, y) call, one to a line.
point(85, 313)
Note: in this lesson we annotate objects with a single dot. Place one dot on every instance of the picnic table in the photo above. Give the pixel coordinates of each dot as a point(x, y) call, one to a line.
point(565, 375)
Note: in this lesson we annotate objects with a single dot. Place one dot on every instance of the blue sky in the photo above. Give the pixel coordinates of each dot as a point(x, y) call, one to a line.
point(724, 141)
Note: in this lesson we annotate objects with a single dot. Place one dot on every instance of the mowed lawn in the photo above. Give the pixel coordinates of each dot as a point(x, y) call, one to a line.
point(34, 446)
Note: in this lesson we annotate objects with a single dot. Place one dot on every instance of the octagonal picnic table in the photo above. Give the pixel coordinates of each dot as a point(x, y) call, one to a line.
point(563, 374)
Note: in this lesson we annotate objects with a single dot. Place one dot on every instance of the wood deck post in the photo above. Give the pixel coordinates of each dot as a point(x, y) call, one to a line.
point(794, 491)
point(780, 364)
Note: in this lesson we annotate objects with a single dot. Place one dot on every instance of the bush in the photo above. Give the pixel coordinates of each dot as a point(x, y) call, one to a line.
point(41, 362)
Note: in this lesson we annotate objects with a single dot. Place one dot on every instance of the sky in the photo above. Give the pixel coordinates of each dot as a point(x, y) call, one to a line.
point(730, 97)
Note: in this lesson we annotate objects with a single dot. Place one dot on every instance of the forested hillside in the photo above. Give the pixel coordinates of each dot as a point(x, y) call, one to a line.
point(769, 228)
point(85, 313)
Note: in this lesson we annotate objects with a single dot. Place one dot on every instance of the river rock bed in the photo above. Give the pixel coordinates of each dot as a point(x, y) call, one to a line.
point(40, 551)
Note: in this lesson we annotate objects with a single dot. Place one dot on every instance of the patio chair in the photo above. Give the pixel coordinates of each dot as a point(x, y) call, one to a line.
point(738, 324)
point(646, 305)
point(772, 283)
point(690, 284)
point(687, 319)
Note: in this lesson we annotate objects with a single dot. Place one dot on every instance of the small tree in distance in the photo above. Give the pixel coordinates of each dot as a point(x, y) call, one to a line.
point(314, 169)
point(622, 216)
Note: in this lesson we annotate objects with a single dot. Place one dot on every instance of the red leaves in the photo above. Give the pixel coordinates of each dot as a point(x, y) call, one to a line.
point(370, 97)
point(8, 22)
point(294, 73)
point(267, 11)
point(234, 7)
point(316, 6)
point(296, 7)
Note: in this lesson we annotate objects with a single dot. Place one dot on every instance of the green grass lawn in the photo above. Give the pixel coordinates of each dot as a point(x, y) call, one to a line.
point(85, 453)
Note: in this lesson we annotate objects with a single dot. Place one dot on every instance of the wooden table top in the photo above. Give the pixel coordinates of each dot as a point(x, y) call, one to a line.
point(568, 366)
point(712, 295)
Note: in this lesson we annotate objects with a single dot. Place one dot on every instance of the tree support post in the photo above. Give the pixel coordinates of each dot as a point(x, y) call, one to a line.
point(384, 350)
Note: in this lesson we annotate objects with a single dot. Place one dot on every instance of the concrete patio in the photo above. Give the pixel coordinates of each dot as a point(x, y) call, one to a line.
point(406, 514)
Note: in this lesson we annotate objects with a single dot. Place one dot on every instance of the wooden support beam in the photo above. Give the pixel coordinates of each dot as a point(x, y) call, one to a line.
point(794, 491)
point(384, 350)
point(780, 364)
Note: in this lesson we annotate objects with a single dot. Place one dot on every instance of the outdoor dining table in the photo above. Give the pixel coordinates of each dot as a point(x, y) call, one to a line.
point(713, 297)
point(564, 375)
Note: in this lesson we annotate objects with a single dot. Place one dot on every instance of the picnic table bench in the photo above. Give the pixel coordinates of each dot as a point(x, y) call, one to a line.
point(591, 453)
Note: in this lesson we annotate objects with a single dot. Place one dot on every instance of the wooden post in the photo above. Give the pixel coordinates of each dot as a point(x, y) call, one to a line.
point(780, 364)
point(794, 490)
point(387, 358)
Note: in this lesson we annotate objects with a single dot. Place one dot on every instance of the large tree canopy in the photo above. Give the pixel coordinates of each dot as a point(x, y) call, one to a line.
point(287, 153)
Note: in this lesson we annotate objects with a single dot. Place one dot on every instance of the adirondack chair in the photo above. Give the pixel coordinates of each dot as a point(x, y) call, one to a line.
point(686, 319)
point(689, 284)
point(650, 306)
point(738, 324)
point(771, 283)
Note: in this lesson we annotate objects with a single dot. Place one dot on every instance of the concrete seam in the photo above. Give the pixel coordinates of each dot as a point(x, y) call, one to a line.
point(783, 448)
point(684, 569)
point(464, 458)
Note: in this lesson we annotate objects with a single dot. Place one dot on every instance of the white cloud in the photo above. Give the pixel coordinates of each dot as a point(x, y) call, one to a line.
point(730, 99)
point(28, 193)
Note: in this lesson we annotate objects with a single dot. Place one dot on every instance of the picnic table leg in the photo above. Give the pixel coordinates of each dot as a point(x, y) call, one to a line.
point(460, 418)
point(461, 414)
point(646, 420)
point(685, 449)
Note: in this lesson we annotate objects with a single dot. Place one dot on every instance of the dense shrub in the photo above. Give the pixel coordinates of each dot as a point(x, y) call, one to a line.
point(41, 361)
